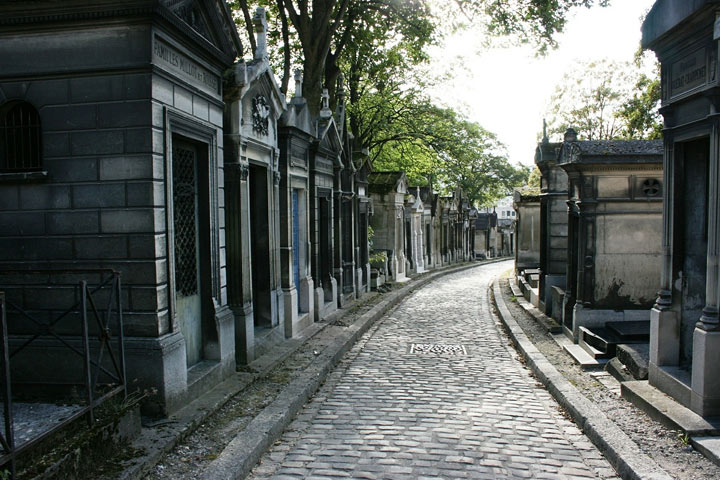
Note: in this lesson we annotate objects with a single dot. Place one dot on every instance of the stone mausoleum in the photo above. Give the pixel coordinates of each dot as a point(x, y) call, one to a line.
point(553, 221)
point(112, 157)
point(685, 323)
point(614, 230)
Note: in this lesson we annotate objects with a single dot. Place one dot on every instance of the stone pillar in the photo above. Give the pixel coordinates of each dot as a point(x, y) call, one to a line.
point(705, 396)
point(237, 227)
point(338, 233)
point(664, 323)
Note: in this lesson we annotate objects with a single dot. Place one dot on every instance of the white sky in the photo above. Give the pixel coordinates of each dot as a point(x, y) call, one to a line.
point(507, 90)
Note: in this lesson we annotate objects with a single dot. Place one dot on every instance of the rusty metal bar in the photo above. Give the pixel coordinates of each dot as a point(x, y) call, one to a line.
point(86, 344)
point(9, 437)
point(121, 333)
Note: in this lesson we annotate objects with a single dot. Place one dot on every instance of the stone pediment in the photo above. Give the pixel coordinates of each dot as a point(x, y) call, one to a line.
point(211, 19)
point(330, 138)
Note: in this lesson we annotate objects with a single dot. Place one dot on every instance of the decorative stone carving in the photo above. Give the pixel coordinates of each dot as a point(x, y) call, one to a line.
point(276, 178)
point(260, 115)
point(244, 172)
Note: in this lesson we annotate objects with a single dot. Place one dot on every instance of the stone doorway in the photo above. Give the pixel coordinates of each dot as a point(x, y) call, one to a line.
point(324, 250)
point(260, 247)
point(692, 248)
point(191, 242)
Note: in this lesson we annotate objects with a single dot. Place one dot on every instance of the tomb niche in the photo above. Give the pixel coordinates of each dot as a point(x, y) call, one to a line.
point(685, 328)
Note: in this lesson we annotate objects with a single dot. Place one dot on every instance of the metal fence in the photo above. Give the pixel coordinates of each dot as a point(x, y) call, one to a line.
point(106, 357)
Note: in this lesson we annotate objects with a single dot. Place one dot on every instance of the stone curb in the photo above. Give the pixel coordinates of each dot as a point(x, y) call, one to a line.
point(619, 449)
point(245, 450)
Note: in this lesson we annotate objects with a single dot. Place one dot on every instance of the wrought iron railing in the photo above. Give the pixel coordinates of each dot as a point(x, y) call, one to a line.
point(106, 357)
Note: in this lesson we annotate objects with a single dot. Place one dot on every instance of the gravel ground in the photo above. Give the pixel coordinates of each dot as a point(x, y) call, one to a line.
point(663, 445)
point(190, 456)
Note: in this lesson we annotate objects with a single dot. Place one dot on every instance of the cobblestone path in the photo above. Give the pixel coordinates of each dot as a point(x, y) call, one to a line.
point(457, 404)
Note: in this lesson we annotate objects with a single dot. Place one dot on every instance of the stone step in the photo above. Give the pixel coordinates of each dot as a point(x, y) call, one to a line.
point(636, 330)
point(615, 368)
point(599, 342)
point(583, 358)
point(594, 352)
point(635, 358)
point(708, 446)
point(667, 411)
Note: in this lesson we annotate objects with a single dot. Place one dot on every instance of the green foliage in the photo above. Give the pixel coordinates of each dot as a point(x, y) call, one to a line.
point(449, 151)
point(535, 22)
point(639, 114)
point(534, 178)
point(606, 101)
point(379, 46)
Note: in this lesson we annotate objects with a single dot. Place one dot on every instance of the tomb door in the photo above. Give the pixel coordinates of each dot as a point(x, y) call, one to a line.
point(325, 252)
point(260, 246)
point(695, 176)
point(296, 239)
point(187, 227)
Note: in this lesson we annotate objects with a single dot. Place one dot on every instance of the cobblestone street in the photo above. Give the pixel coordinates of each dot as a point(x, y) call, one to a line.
point(434, 390)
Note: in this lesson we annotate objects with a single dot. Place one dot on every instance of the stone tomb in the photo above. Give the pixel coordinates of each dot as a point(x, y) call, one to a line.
point(414, 232)
point(614, 230)
point(296, 133)
point(254, 105)
point(553, 224)
point(123, 170)
point(388, 190)
point(325, 158)
point(363, 212)
point(685, 325)
point(527, 230)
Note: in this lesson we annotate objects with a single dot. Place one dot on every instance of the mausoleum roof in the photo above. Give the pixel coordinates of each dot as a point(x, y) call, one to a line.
point(386, 181)
point(611, 152)
point(666, 15)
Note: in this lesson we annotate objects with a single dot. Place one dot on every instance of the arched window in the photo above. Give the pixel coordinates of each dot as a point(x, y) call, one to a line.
point(20, 148)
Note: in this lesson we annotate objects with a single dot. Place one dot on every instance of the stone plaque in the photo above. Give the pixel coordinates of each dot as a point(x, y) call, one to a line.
point(324, 165)
point(688, 73)
point(177, 62)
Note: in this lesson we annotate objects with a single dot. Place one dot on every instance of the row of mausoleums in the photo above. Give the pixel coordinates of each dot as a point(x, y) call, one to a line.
point(621, 245)
point(132, 141)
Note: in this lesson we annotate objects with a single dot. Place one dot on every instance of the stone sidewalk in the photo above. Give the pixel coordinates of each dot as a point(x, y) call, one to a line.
point(433, 390)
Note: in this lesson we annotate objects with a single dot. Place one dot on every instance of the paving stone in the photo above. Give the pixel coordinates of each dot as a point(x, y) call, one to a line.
point(391, 410)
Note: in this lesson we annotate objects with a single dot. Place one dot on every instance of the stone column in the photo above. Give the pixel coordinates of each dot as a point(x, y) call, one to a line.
point(338, 233)
point(664, 322)
point(237, 223)
point(705, 396)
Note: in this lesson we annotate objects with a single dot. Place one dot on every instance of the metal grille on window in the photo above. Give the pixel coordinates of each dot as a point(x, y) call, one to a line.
point(20, 147)
point(185, 220)
point(651, 187)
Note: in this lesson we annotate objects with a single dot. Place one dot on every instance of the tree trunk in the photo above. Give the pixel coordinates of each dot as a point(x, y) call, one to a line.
point(314, 68)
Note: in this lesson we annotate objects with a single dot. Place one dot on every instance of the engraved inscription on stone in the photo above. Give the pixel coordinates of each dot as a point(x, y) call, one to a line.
point(179, 63)
point(688, 73)
point(438, 349)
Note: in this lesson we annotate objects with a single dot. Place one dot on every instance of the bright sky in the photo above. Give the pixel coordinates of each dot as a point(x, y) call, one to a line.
point(507, 90)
